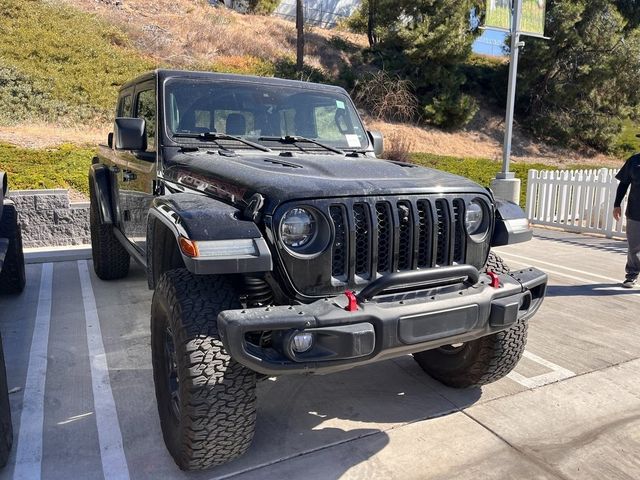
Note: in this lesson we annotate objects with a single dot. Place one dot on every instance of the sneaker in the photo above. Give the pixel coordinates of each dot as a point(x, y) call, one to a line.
point(629, 283)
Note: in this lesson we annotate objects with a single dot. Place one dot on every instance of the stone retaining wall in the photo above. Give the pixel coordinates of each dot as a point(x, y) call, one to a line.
point(49, 219)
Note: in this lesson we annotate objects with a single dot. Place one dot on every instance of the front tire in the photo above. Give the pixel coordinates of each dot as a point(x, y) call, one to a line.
point(480, 361)
point(12, 276)
point(110, 259)
point(6, 429)
point(206, 400)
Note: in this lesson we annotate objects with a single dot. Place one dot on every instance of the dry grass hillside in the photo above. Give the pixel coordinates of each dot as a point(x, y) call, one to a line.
point(194, 35)
point(188, 33)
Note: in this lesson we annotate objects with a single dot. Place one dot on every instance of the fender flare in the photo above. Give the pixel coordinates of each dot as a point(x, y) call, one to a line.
point(511, 224)
point(100, 178)
point(199, 219)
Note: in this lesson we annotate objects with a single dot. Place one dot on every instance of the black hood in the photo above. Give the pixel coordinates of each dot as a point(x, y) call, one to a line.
point(280, 179)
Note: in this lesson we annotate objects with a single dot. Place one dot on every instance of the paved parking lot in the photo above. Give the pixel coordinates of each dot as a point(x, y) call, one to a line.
point(78, 356)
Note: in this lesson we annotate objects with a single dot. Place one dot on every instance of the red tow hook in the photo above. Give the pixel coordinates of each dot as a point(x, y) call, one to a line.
point(353, 301)
point(495, 279)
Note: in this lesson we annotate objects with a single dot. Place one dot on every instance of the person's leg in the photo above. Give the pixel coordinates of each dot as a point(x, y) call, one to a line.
point(633, 256)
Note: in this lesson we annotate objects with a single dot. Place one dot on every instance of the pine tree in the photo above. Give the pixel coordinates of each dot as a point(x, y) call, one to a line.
point(578, 87)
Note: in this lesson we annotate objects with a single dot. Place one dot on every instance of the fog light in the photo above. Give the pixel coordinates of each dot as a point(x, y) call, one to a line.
point(302, 342)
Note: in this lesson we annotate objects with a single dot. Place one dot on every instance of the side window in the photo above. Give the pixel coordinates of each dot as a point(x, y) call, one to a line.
point(146, 109)
point(124, 106)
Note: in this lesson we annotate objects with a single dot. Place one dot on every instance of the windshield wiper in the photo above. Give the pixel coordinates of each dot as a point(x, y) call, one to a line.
point(221, 136)
point(295, 139)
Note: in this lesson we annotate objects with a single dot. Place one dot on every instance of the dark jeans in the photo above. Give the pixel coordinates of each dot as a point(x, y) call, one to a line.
point(633, 257)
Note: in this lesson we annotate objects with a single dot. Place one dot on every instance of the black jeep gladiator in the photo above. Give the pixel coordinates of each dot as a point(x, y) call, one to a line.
point(277, 244)
point(12, 280)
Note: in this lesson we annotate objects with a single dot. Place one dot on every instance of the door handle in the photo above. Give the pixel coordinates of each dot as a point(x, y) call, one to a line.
point(128, 176)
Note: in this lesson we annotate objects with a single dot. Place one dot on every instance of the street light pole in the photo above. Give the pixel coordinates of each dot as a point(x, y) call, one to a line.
point(506, 185)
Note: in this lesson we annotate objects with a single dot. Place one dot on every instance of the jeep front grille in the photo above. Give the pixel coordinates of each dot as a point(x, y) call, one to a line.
point(396, 235)
point(369, 237)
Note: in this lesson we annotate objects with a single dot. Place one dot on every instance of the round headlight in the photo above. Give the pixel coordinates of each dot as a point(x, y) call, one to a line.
point(298, 227)
point(474, 217)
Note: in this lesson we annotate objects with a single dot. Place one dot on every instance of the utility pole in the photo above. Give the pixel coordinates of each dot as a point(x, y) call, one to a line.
point(506, 185)
point(300, 28)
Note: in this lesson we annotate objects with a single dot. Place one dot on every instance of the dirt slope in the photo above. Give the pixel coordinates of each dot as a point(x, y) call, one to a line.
point(191, 33)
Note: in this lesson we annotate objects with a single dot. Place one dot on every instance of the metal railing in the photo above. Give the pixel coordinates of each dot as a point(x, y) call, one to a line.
point(575, 200)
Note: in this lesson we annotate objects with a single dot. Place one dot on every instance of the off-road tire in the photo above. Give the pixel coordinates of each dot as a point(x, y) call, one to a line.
point(495, 264)
point(110, 259)
point(6, 429)
point(12, 276)
point(480, 361)
point(216, 396)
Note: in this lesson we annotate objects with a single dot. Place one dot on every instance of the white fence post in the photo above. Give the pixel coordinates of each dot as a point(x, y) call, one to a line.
point(575, 200)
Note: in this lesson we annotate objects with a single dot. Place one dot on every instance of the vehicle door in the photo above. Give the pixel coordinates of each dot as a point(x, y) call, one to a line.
point(118, 160)
point(137, 178)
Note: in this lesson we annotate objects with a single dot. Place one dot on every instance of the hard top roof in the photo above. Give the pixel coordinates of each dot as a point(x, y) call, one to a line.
point(163, 75)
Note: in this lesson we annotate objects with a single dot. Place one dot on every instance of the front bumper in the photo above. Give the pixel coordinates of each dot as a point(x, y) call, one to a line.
point(396, 322)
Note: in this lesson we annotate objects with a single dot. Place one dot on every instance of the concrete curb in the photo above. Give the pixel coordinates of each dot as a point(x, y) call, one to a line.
point(57, 254)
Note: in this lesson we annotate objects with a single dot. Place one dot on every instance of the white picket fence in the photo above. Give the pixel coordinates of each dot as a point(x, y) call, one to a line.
point(575, 200)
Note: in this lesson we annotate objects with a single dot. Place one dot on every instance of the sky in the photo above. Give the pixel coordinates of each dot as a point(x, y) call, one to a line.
point(490, 43)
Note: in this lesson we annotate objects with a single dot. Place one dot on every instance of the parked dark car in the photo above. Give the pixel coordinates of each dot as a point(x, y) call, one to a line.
point(277, 243)
point(12, 280)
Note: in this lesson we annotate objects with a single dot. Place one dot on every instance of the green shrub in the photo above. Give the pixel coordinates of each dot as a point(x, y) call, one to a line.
point(64, 167)
point(483, 170)
point(343, 45)
point(263, 7)
point(627, 143)
point(450, 110)
point(23, 99)
point(286, 68)
point(65, 57)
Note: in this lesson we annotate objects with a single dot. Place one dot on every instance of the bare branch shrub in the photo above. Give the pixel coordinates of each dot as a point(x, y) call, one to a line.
point(398, 147)
point(386, 97)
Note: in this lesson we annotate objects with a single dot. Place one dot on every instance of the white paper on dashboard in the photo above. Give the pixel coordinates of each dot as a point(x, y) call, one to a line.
point(353, 141)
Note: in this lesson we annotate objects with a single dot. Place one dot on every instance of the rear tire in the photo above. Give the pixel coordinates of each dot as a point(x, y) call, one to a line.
point(110, 259)
point(480, 361)
point(6, 429)
point(206, 400)
point(12, 276)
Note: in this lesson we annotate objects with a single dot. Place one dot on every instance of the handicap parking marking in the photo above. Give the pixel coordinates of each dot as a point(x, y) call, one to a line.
point(557, 373)
point(114, 462)
point(28, 463)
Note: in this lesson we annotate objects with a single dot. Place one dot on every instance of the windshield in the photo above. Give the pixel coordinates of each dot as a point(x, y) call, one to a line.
point(260, 112)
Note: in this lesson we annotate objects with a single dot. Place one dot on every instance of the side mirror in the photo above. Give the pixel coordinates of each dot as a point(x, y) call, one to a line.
point(110, 139)
point(378, 142)
point(129, 134)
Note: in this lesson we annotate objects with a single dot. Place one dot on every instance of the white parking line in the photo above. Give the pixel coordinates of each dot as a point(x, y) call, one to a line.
point(535, 260)
point(29, 450)
point(114, 461)
point(557, 373)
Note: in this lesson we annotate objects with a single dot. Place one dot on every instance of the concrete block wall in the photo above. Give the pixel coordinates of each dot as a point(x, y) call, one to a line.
point(49, 219)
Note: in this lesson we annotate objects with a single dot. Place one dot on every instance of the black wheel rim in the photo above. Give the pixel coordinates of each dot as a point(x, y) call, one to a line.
point(171, 371)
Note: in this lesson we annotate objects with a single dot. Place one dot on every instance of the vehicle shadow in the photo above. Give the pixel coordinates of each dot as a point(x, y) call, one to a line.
point(591, 290)
point(583, 241)
point(314, 419)
point(321, 415)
